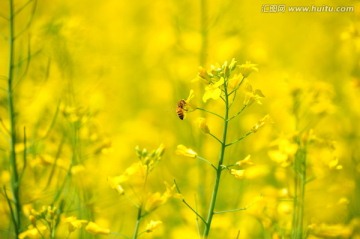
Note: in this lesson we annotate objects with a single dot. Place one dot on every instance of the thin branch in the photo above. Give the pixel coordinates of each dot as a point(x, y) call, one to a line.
point(239, 209)
point(233, 100)
point(15, 184)
point(11, 209)
point(238, 113)
point(47, 71)
point(53, 121)
point(5, 18)
point(239, 139)
point(231, 210)
point(4, 126)
point(27, 26)
point(237, 87)
point(210, 112)
point(216, 138)
point(27, 61)
point(57, 156)
point(206, 161)
point(188, 205)
point(24, 156)
point(310, 179)
point(234, 91)
point(223, 99)
point(238, 235)
point(197, 218)
point(28, 58)
point(38, 230)
point(3, 77)
point(22, 7)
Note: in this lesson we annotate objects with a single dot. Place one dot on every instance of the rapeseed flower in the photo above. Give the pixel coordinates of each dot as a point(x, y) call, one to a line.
point(154, 201)
point(33, 232)
point(260, 123)
point(152, 225)
point(245, 162)
point(213, 91)
point(284, 153)
point(252, 96)
point(184, 151)
point(115, 183)
point(247, 68)
point(95, 229)
point(74, 223)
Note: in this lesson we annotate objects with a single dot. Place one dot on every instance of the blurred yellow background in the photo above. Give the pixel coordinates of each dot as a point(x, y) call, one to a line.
point(118, 68)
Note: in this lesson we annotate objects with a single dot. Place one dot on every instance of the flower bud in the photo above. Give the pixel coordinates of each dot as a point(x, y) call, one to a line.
point(203, 126)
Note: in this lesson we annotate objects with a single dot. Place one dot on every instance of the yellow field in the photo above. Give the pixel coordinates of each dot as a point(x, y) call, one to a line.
point(179, 119)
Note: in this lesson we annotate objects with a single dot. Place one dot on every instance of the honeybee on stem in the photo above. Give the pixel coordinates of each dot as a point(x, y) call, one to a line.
point(181, 109)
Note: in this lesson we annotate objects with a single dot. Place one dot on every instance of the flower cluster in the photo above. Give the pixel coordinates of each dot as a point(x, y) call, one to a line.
point(222, 83)
point(219, 77)
point(135, 177)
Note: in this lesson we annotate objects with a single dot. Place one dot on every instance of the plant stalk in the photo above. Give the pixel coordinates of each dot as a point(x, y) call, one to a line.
point(204, 32)
point(219, 169)
point(137, 225)
point(15, 183)
point(299, 197)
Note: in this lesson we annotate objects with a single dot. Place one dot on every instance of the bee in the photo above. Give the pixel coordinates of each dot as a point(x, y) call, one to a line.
point(180, 110)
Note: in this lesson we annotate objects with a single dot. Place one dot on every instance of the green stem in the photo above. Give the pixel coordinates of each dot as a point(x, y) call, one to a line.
point(299, 194)
point(137, 225)
point(204, 32)
point(219, 168)
point(231, 210)
point(210, 112)
point(239, 139)
point(206, 161)
point(238, 113)
point(188, 205)
point(13, 163)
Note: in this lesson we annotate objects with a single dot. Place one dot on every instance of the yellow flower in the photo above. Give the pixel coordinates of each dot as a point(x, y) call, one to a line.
point(253, 96)
point(232, 64)
point(248, 68)
point(95, 229)
point(239, 174)
point(245, 162)
point(154, 201)
point(260, 124)
point(184, 151)
point(284, 153)
point(203, 74)
point(331, 230)
point(160, 151)
point(334, 164)
point(152, 225)
point(74, 223)
point(212, 90)
point(5, 177)
point(77, 169)
point(115, 182)
point(33, 233)
point(171, 193)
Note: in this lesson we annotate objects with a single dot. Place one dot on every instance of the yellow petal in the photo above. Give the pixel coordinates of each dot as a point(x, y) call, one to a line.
point(152, 226)
point(95, 229)
point(184, 151)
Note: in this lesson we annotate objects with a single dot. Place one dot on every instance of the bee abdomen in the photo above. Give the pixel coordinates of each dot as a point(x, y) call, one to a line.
point(180, 113)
